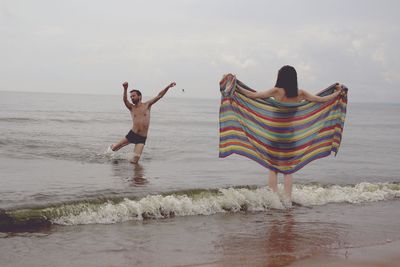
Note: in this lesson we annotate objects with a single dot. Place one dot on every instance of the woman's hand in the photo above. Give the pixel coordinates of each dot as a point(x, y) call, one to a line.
point(339, 89)
point(226, 76)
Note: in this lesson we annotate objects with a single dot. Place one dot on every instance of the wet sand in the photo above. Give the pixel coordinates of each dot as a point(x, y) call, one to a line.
point(385, 255)
point(330, 235)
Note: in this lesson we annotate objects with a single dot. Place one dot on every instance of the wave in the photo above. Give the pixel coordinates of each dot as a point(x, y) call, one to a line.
point(191, 202)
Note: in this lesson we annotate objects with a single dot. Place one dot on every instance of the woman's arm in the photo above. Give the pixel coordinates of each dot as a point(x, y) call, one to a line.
point(260, 94)
point(314, 98)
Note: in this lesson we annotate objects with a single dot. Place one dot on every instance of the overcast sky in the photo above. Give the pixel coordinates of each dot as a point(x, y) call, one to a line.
point(77, 46)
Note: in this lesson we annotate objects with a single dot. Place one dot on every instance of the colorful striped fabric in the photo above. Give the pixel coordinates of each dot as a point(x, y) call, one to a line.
point(283, 137)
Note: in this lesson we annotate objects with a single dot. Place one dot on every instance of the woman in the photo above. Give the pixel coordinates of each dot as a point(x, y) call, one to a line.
point(286, 90)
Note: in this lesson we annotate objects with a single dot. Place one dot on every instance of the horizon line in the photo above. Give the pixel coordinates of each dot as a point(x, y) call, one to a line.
point(179, 97)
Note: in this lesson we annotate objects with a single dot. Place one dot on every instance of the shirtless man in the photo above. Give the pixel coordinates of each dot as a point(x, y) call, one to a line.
point(140, 113)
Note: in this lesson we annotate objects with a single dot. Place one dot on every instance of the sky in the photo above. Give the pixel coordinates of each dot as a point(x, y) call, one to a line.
point(93, 46)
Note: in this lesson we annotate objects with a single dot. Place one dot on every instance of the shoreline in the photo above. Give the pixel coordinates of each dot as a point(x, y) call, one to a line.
point(330, 235)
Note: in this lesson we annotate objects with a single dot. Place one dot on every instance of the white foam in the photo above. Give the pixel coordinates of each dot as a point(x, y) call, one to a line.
point(233, 200)
point(109, 151)
point(114, 155)
point(157, 206)
point(363, 192)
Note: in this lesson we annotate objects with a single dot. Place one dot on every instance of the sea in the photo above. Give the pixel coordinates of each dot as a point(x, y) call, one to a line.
point(66, 201)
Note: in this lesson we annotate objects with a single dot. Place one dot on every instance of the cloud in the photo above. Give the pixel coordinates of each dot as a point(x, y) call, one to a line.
point(48, 31)
point(194, 43)
point(237, 62)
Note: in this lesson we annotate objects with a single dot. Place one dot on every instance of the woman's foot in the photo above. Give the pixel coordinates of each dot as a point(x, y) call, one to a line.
point(286, 202)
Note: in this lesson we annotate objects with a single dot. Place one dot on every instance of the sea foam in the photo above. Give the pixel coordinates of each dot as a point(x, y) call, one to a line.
point(224, 200)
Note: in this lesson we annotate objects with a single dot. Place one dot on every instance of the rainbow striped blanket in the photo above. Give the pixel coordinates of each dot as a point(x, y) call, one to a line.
point(283, 137)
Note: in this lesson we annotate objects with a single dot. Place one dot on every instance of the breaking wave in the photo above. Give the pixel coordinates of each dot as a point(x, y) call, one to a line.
point(193, 202)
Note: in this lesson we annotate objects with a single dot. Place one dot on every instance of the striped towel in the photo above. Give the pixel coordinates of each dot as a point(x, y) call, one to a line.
point(283, 137)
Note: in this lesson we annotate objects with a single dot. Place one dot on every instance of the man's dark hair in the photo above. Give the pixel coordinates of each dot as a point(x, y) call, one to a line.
point(136, 91)
point(287, 79)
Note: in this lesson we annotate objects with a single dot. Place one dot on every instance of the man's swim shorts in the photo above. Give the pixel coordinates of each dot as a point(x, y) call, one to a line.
point(134, 138)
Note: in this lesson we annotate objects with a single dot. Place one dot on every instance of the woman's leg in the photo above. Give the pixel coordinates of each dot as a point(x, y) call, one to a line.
point(273, 181)
point(288, 181)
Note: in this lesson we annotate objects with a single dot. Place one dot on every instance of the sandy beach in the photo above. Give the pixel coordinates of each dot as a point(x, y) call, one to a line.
point(331, 235)
point(383, 255)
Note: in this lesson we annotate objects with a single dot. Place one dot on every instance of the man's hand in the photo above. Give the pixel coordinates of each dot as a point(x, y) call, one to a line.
point(125, 85)
point(172, 84)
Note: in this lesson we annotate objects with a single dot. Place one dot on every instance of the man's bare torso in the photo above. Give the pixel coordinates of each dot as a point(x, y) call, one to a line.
point(140, 114)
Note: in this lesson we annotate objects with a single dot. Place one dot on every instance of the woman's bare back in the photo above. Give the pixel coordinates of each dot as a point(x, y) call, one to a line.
point(281, 96)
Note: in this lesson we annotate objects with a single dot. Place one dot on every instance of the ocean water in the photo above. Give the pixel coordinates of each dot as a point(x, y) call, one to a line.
point(58, 185)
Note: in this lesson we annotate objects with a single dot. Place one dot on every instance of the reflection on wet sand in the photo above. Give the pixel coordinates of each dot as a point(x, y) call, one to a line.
point(279, 239)
point(281, 243)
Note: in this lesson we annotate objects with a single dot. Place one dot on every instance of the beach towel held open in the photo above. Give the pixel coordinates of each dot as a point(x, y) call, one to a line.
point(283, 137)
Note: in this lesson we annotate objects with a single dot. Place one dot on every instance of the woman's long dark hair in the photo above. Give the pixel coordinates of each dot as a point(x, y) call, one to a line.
point(287, 79)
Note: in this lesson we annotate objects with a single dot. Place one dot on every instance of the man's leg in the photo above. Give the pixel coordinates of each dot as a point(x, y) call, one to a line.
point(120, 144)
point(137, 152)
point(273, 181)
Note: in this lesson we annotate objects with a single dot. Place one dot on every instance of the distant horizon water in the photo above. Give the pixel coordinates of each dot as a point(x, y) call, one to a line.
point(181, 96)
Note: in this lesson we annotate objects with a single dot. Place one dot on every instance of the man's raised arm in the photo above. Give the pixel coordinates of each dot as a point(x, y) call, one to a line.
point(161, 94)
point(125, 98)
